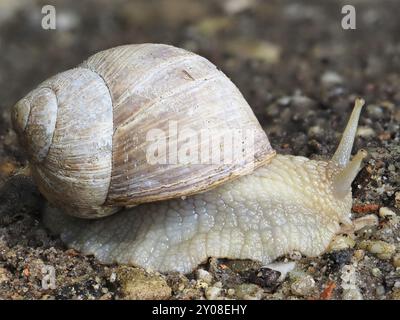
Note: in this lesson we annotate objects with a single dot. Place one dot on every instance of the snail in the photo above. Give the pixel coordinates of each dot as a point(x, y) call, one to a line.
point(86, 134)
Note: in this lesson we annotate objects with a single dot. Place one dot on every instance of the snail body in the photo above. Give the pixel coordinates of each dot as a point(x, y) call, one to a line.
point(84, 131)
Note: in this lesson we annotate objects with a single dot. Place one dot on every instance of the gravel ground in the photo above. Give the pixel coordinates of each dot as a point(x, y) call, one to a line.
point(300, 72)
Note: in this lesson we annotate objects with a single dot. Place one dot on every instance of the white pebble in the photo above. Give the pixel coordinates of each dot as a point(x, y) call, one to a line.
point(113, 277)
point(386, 212)
point(348, 276)
point(331, 78)
point(303, 286)
point(341, 242)
point(368, 220)
point(365, 132)
point(352, 294)
point(236, 6)
point(382, 249)
point(204, 275)
point(213, 293)
point(376, 272)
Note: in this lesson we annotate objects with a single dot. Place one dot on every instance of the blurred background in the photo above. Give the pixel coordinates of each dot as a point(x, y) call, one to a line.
point(297, 67)
point(279, 53)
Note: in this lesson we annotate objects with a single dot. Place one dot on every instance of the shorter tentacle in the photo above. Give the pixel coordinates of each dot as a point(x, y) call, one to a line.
point(342, 181)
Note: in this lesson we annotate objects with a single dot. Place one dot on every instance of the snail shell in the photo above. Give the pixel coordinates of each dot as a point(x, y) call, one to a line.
point(85, 129)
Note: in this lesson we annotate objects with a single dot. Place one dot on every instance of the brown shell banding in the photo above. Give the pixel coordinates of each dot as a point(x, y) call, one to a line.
point(150, 87)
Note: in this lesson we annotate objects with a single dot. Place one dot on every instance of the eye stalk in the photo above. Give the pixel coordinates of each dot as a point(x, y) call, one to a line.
point(342, 182)
point(343, 152)
point(34, 119)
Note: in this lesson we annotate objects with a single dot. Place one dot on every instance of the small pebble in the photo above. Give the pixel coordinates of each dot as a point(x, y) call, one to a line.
point(249, 291)
point(181, 286)
point(3, 275)
point(374, 110)
point(348, 276)
point(397, 199)
point(265, 278)
point(200, 284)
point(331, 78)
point(365, 132)
point(302, 101)
point(380, 290)
point(231, 292)
point(212, 293)
point(303, 286)
point(315, 130)
point(386, 212)
point(396, 260)
point(272, 110)
point(395, 294)
point(381, 249)
point(284, 101)
point(266, 52)
point(341, 242)
point(113, 277)
point(376, 272)
point(338, 258)
point(359, 254)
point(368, 220)
point(139, 285)
point(211, 26)
point(352, 294)
point(204, 275)
point(236, 6)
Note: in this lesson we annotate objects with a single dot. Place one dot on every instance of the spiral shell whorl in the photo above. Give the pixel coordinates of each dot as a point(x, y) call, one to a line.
point(34, 119)
point(68, 136)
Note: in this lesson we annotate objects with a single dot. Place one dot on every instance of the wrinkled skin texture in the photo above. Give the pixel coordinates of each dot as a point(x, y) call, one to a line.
point(283, 206)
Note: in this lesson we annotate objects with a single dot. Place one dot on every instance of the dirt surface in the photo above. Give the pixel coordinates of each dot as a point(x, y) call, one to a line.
point(300, 72)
